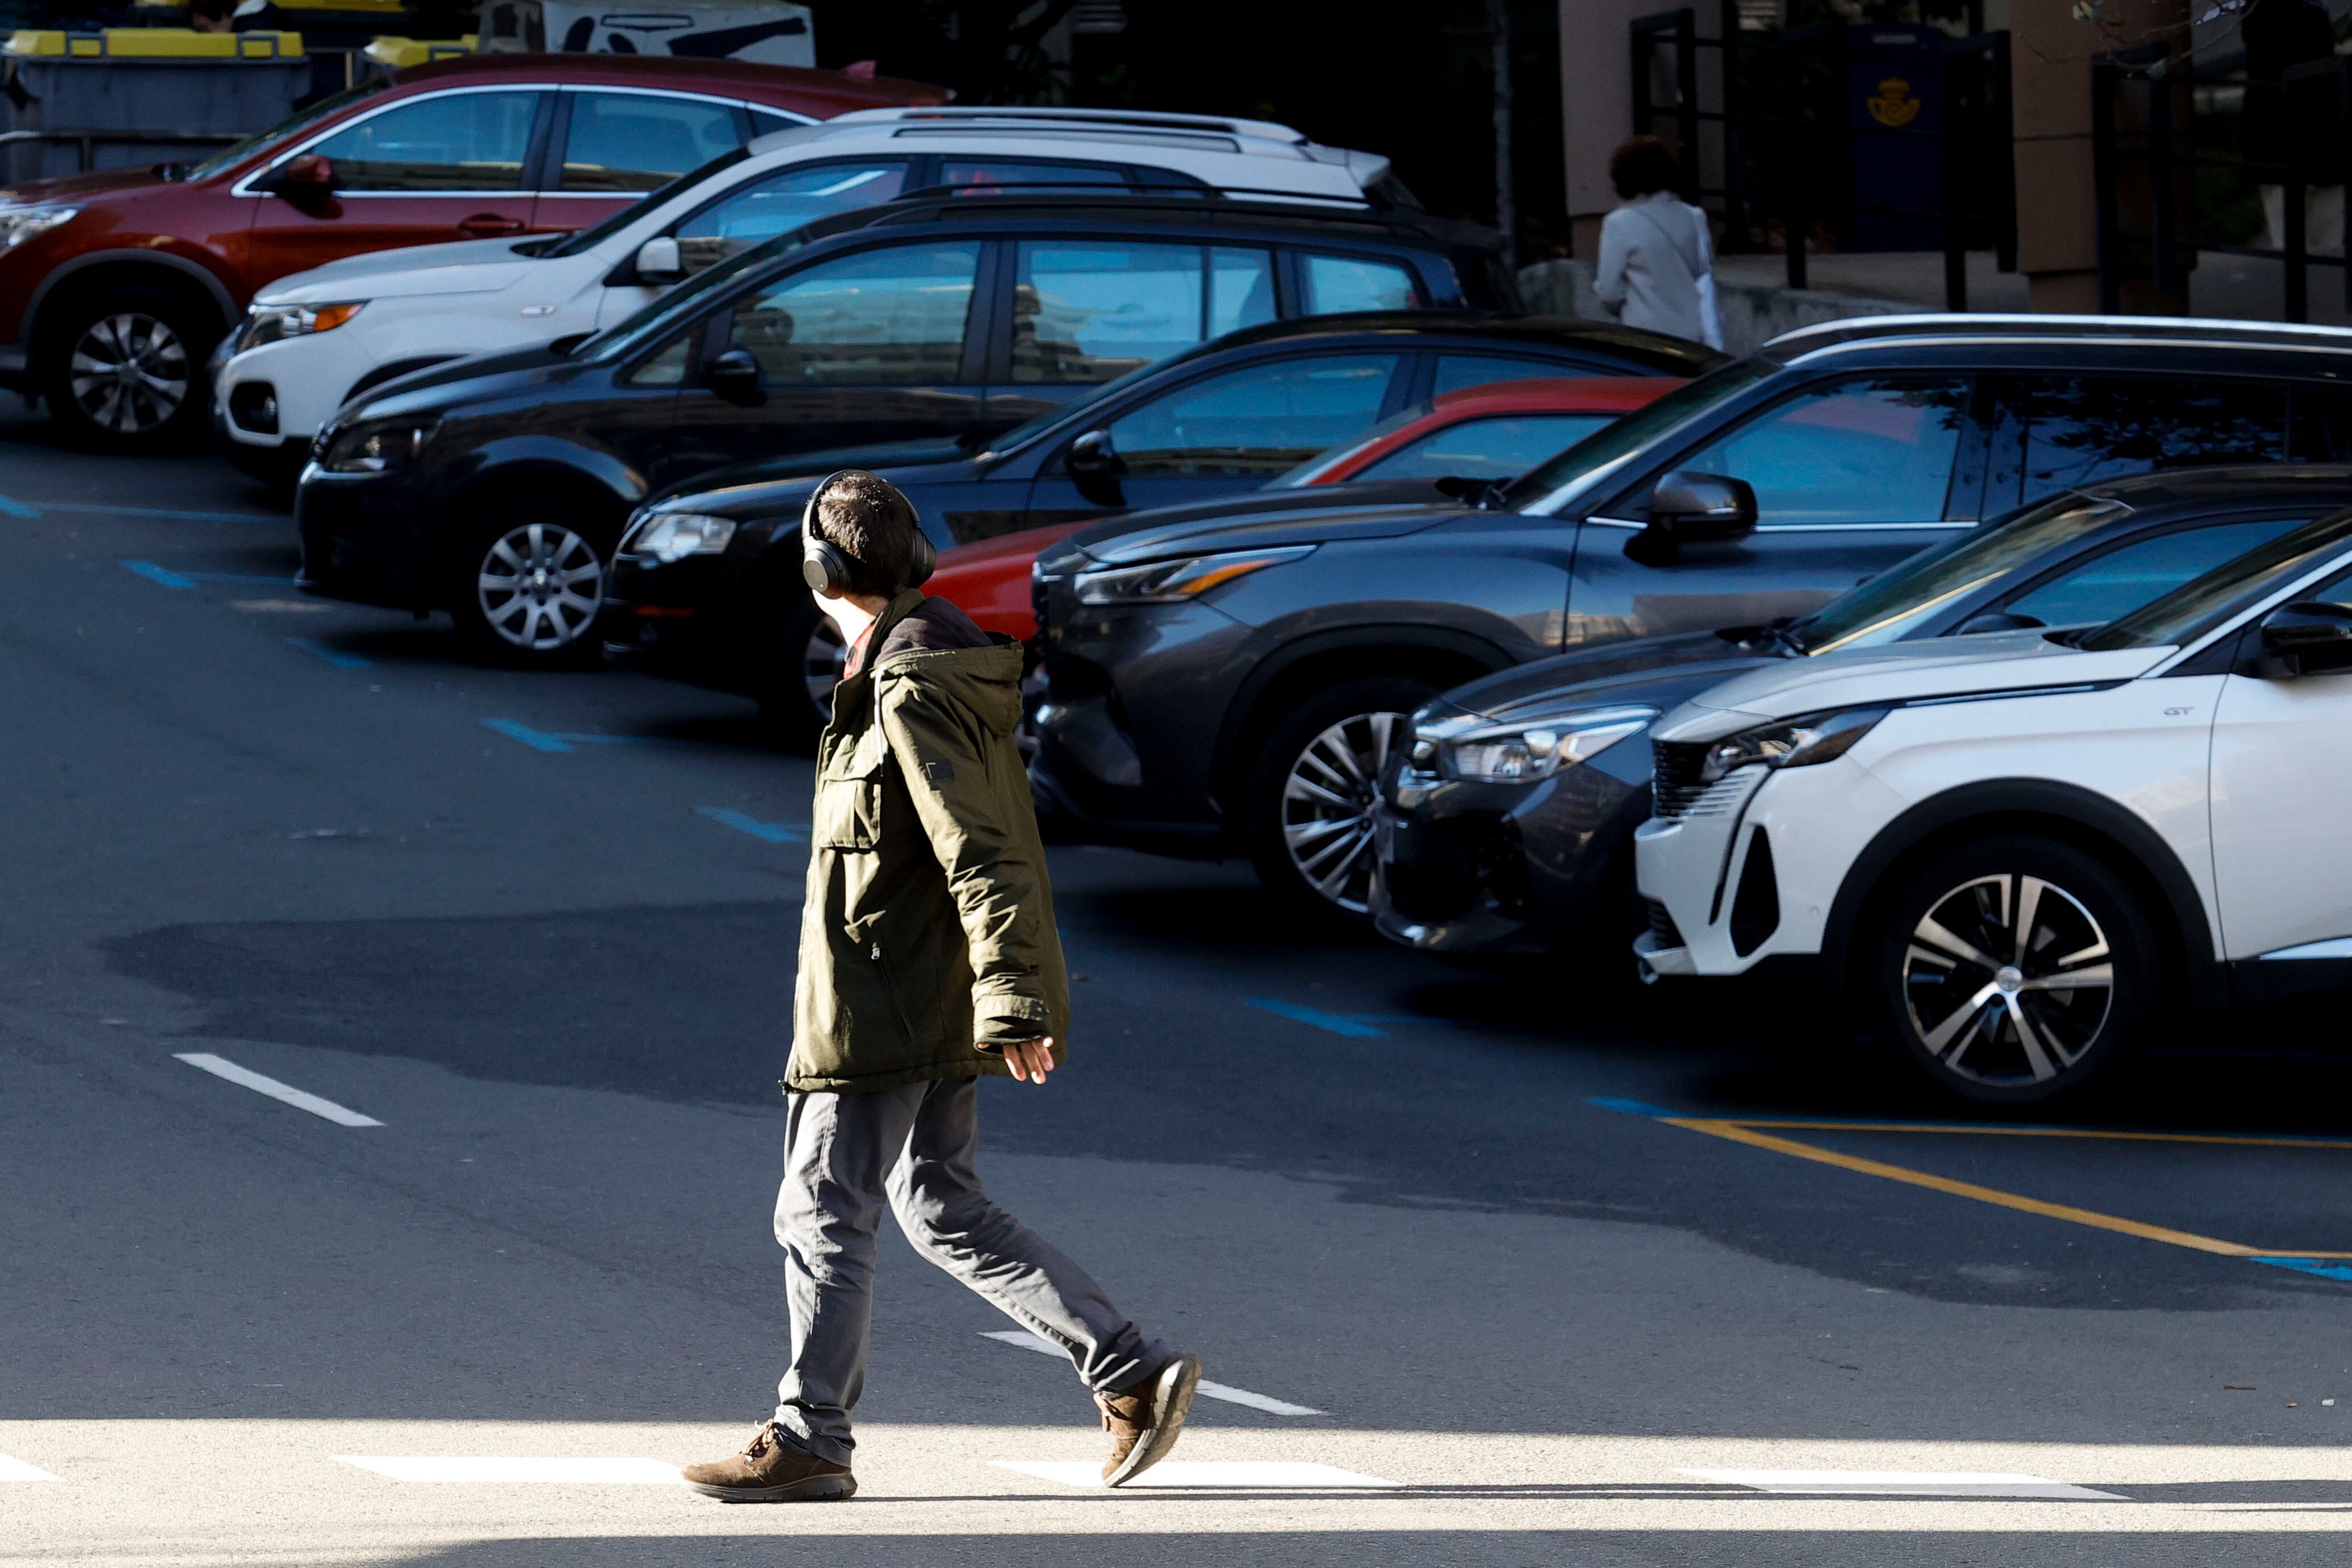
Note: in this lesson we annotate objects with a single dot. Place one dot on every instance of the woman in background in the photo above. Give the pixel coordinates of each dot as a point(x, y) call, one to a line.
point(1658, 260)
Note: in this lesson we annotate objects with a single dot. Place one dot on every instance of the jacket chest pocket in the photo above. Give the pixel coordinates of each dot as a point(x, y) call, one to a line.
point(847, 811)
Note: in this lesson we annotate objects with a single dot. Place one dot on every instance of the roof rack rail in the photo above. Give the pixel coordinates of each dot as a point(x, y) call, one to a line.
point(1864, 328)
point(1137, 188)
point(1267, 129)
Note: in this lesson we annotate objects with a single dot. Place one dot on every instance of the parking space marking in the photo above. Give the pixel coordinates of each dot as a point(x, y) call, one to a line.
point(1213, 1475)
point(260, 1083)
point(567, 740)
point(172, 513)
point(18, 1471)
point(2313, 1265)
point(1904, 1483)
point(15, 508)
point(1024, 1339)
point(334, 656)
point(772, 832)
point(1353, 1026)
point(1749, 1131)
point(162, 577)
point(503, 1470)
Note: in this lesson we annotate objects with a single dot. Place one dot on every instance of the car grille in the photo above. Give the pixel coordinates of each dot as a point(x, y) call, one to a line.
point(1664, 932)
point(1675, 784)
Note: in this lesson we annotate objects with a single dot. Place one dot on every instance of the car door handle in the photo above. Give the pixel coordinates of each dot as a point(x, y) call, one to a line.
point(484, 224)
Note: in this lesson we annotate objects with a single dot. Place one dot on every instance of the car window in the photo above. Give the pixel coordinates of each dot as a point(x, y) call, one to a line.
point(666, 366)
point(888, 317)
point(759, 210)
point(1496, 448)
point(285, 130)
point(1241, 288)
point(450, 142)
point(1333, 284)
point(764, 120)
point(2195, 607)
point(1456, 371)
point(1256, 421)
point(972, 175)
point(2129, 575)
point(2065, 430)
point(1870, 450)
point(1089, 310)
point(636, 142)
point(598, 233)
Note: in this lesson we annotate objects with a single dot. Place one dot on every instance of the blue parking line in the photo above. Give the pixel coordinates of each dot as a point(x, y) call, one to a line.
point(93, 508)
point(1631, 1107)
point(161, 576)
point(334, 656)
point(1354, 1028)
point(241, 577)
point(2325, 1269)
point(17, 508)
point(773, 833)
point(537, 739)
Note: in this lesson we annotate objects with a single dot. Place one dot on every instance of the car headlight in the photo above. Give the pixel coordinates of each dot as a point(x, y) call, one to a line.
point(1160, 582)
point(18, 225)
point(1522, 750)
point(1793, 743)
point(275, 323)
point(666, 536)
point(376, 447)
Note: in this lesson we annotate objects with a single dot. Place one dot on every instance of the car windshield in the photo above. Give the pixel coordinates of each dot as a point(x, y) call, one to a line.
point(2192, 609)
point(657, 317)
point(1895, 603)
point(1324, 461)
point(590, 238)
point(285, 130)
point(1547, 490)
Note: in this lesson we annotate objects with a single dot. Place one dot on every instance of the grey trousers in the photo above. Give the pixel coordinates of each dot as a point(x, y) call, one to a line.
point(843, 1154)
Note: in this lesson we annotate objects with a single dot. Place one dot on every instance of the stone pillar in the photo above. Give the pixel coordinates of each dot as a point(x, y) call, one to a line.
point(2057, 210)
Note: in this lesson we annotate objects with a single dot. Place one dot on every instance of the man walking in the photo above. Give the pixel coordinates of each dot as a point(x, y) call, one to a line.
point(929, 958)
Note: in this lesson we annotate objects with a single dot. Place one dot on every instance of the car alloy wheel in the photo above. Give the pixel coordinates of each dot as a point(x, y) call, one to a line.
point(2008, 981)
point(128, 373)
point(539, 586)
point(823, 658)
point(1327, 807)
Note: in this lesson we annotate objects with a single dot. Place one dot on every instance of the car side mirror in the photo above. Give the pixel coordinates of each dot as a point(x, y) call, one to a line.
point(735, 376)
point(1093, 454)
point(659, 261)
point(2304, 639)
point(1690, 507)
point(306, 181)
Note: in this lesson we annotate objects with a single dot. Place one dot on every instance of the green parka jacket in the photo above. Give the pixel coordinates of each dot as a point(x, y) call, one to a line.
point(928, 927)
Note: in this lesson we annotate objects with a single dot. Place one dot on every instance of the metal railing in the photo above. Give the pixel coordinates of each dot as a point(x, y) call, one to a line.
point(1792, 161)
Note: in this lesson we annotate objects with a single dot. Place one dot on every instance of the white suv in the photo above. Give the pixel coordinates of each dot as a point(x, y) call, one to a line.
point(316, 339)
point(2015, 852)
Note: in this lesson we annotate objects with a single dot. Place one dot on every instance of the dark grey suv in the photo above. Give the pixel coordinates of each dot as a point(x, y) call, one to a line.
point(1232, 684)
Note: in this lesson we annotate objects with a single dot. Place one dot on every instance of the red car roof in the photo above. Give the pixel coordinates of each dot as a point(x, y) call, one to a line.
point(821, 93)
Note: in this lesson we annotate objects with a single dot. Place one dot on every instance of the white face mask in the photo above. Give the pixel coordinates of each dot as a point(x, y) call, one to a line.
point(850, 618)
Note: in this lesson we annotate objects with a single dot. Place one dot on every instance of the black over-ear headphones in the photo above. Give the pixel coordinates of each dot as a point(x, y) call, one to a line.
point(826, 568)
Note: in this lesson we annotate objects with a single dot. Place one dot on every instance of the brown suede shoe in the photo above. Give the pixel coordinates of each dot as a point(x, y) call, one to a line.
point(1145, 1422)
point(771, 1470)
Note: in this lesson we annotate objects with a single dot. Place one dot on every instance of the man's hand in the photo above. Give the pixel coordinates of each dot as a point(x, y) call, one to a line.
point(1031, 1058)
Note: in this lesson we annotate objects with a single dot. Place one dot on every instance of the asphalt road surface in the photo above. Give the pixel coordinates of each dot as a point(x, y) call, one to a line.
point(1488, 1272)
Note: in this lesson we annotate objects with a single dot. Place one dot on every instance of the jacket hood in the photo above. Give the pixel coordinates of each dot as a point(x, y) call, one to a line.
point(1259, 519)
point(747, 490)
point(1565, 677)
point(986, 680)
point(468, 266)
point(1901, 672)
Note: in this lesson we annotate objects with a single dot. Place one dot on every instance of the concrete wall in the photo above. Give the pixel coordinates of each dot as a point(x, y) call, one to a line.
point(1753, 314)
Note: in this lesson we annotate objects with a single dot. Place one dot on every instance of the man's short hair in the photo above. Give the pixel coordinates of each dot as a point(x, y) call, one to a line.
point(1643, 165)
point(871, 521)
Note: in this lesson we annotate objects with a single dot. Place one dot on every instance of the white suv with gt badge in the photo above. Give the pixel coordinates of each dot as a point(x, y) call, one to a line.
point(2016, 852)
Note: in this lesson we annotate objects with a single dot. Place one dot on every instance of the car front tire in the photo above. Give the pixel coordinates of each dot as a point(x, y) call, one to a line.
point(529, 588)
point(125, 367)
point(2014, 969)
point(1310, 821)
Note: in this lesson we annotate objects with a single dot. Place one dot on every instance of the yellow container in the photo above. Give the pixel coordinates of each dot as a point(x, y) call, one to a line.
point(398, 53)
point(152, 44)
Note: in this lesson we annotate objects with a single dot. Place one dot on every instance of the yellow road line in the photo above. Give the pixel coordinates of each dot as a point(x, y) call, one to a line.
point(1997, 1131)
point(1738, 1133)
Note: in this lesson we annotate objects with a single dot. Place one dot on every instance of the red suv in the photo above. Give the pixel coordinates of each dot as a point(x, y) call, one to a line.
point(116, 286)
